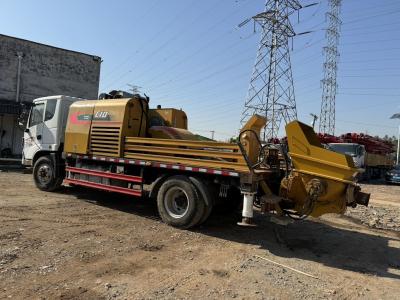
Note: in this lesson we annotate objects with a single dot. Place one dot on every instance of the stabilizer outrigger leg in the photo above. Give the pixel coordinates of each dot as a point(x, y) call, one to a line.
point(247, 212)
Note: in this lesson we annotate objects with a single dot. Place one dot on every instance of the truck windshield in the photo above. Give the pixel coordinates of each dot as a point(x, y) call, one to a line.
point(349, 149)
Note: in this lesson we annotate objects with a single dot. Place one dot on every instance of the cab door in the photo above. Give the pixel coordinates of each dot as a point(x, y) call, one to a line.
point(50, 126)
point(33, 134)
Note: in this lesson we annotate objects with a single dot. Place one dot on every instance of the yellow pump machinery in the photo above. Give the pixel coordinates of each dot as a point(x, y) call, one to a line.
point(121, 145)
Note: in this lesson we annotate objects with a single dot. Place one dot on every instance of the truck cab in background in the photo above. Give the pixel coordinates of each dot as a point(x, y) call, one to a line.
point(372, 165)
point(44, 135)
point(356, 151)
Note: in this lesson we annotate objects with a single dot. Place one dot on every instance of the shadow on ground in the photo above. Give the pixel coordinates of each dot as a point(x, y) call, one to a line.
point(129, 204)
point(307, 240)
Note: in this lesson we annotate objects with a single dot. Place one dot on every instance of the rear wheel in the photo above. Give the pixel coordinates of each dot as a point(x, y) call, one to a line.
point(205, 193)
point(178, 203)
point(44, 175)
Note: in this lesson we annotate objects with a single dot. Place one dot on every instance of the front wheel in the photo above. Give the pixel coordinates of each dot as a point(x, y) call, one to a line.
point(44, 175)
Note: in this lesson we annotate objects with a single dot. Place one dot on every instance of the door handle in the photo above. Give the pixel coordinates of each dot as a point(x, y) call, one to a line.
point(39, 137)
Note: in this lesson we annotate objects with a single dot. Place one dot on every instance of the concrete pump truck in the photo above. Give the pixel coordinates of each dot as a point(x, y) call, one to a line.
point(123, 146)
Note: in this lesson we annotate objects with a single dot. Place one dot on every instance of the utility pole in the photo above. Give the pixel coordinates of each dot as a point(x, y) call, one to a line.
point(397, 116)
point(329, 83)
point(212, 134)
point(315, 118)
point(20, 55)
point(398, 147)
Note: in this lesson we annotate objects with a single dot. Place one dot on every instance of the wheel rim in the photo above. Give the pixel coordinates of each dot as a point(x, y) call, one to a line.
point(44, 174)
point(176, 202)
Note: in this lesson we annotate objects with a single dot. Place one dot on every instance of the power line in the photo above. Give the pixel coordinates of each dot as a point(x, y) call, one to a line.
point(209, 76)
point(372, 50)
point(372, 41)
point(371, 94)
point(376, 8)
point(205, 95)
point(368, 124)
point(222, 52)
point(375, 5)
point(176, 79)
point(179, 35)
point(369, 69)
point(163, 28)
point(187, 27)
point(370, 88)
point(223, 102)
point(375, 26)
point(371, 32)
point(371, 16)
point(196, 81)
point(200, 49)
point(229, 102)
point(368, 106)
point(185, 74)
point(135, 52)
point(371, 60)
point(371, 76)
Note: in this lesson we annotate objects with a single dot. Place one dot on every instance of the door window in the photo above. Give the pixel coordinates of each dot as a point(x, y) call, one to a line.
point(50, 109)
point(36, 114)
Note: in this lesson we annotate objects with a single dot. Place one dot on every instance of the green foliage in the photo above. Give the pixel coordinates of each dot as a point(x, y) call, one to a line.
point(233, 140)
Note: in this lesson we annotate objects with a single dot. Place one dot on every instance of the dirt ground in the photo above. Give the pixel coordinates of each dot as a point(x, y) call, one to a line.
point(78, 244)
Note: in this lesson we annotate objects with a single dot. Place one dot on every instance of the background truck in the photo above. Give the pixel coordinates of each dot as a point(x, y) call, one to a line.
point(123, 146)
point(371, 154)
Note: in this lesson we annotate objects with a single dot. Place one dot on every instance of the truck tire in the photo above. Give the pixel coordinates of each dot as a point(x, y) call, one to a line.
point(44, 175)
point(205, 192)
point(179, 203)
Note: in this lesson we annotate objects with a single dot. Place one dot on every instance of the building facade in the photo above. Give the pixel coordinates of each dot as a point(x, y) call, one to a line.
point(29, 70)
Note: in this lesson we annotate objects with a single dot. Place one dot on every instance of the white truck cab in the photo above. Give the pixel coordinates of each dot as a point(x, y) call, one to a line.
point(356, 151)
point(45, 129)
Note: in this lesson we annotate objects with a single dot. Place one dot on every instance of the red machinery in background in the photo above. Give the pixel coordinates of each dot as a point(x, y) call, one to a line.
point(371, 144)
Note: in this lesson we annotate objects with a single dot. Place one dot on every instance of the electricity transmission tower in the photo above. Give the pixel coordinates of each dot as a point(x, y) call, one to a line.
point(329, 84)
point(271, 91)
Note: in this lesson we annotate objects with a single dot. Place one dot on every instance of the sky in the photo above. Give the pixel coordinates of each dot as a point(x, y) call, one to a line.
point(190, 54)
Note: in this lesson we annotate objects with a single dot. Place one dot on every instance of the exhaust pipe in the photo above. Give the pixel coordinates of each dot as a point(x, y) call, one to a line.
point(354, 196)
point(362, 198)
